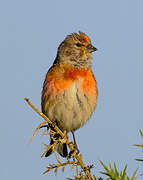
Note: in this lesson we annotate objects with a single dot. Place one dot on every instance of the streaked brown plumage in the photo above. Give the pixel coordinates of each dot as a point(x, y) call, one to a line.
point(69, 94)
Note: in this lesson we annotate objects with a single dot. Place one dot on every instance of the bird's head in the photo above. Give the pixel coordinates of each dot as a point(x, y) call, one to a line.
point(76, 50)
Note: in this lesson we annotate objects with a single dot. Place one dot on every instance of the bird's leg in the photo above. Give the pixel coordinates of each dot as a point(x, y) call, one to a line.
point(75, 144)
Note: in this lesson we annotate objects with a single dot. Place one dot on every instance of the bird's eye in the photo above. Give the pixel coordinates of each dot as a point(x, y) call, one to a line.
point(78, 45)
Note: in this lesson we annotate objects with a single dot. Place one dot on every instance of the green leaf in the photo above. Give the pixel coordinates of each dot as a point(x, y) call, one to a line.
point(141, 132)
point(116, 170)
point(139, 159)
point(124, 172)
point(134, 174)
point(139, 145)
point(114, 174)
point(105, 167)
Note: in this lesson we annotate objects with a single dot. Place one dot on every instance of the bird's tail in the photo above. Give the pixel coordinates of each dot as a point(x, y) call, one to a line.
point(60, 148)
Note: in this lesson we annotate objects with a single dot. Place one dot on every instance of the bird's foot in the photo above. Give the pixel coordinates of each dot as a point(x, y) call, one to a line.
point(74, 150)
point(76, 147)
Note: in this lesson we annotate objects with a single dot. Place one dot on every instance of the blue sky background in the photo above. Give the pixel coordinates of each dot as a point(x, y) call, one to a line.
point(30, 32)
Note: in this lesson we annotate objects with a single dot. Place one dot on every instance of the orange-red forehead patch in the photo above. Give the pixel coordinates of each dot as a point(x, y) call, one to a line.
point(86, 38)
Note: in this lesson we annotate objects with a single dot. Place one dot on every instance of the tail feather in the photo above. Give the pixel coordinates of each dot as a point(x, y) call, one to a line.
point(49, 152)
point(60, 148)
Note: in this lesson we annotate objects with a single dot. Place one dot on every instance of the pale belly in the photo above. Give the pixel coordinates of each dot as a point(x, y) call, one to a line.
point(72, 108)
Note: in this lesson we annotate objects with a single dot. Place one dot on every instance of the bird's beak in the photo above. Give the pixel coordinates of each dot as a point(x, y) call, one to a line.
point(91, 48)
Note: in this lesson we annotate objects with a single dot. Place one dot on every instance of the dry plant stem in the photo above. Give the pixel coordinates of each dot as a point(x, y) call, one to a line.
point(71, 146)
point(53, 166)
point(64, 164)
point(45, 117)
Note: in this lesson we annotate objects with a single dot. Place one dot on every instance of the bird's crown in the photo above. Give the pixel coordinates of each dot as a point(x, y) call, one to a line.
point(82, 37)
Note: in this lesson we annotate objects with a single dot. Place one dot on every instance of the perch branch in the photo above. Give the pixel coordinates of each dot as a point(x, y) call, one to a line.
point(85, 168)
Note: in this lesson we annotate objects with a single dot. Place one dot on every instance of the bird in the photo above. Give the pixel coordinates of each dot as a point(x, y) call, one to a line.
point(69, 94)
